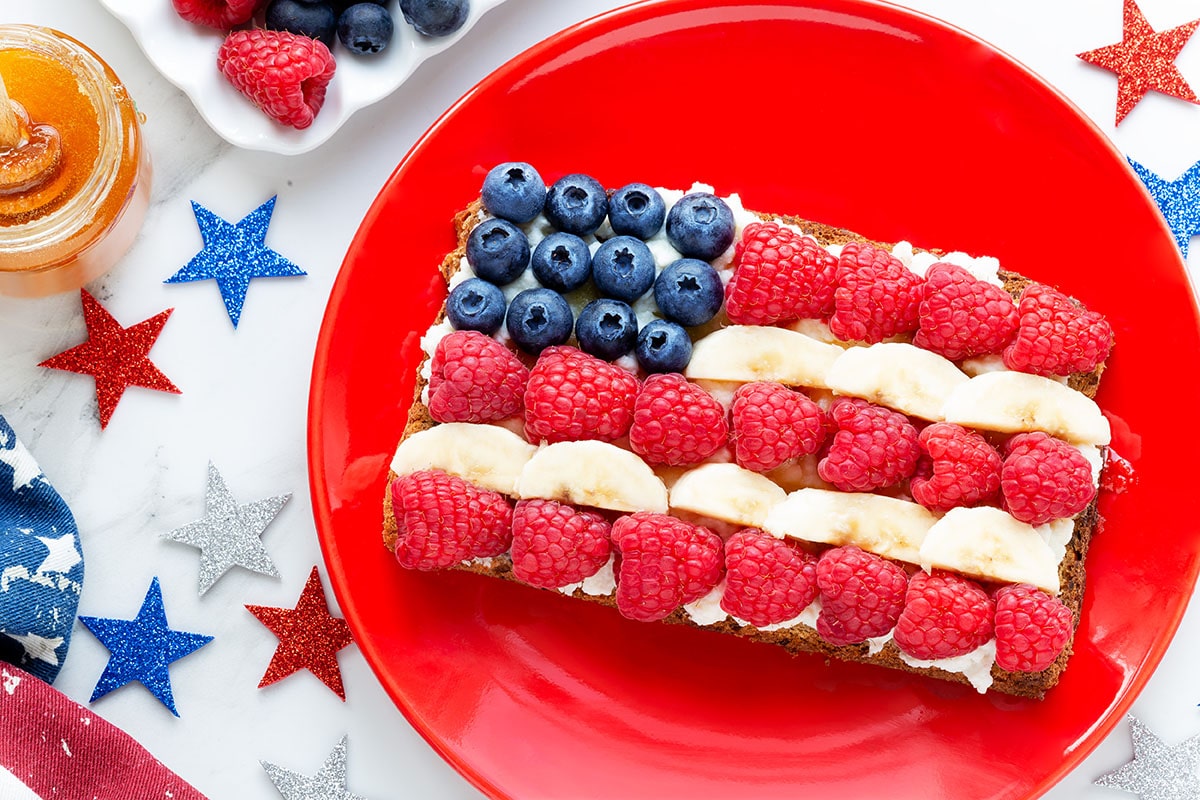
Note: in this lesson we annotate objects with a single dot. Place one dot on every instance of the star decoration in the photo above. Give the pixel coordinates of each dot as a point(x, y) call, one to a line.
point(1157, 772)
point(309, 637)
point(1144, 59)
point(39, 647)
point(230, 535)
point(328, 784)
point(142, 648)
point(234, 254)
point(62, 554)
point(1179, 200)
point(117, 357)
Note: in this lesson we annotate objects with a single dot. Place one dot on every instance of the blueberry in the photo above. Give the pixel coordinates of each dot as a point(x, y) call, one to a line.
point(623, 267)
point(636, 210)
point(606, 328)
point(700, 225)
point(539, 318)
point(316, 21)
point(562, 262)
point(576, 204)
point(663, 346)
point(689, 291)
point(435, 17)
point(514, 191)
point(365, 28)
point(476, 305)
point(498, 251)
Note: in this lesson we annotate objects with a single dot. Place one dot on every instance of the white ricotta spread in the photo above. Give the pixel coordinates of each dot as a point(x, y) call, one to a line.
point(975, 665)
point(601, 584)
point(707, 610)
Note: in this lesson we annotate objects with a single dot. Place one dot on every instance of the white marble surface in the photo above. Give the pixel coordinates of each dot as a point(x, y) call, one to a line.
point(245, 394)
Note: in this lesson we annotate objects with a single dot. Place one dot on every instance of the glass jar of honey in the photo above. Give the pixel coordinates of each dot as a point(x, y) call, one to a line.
point(75, 179)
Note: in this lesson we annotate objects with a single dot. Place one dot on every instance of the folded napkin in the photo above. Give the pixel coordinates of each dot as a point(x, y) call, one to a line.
point(41, 564)
point(52, 747)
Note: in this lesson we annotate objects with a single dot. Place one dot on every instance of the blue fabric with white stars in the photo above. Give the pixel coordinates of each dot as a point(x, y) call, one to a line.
point(41, 564)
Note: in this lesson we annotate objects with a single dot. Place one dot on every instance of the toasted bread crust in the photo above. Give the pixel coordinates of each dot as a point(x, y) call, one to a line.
point(801, 638)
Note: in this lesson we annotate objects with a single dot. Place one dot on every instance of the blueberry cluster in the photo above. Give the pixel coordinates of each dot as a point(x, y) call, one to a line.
point(364, 26)
point(621, 270)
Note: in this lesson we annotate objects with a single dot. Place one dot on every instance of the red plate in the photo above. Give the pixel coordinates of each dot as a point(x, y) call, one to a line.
point(860, 114)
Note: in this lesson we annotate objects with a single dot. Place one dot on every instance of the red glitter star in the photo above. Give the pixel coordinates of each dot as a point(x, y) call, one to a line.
point(309, 637)
point(1143, 60)
point(115, 356)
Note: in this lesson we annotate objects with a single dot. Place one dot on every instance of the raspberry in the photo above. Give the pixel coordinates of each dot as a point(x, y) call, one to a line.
point(1032, 628)
point(443, 520)
point(773, 425)
point(1056, 336)
point(779, 275)
point(572, 396)
point(861, 595)
point(876, 296)
point(555, 545)
point(957, 468)
point(675, 422)
point(873, 447)
point(1044, 478)
point(222, 14)
point(768, 580)
point(474, 378)
point(944, 616)
point(962, 316)
point(283, 73)
point(665, 563)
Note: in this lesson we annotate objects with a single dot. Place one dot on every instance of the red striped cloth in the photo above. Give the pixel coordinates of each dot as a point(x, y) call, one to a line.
point(52, 747)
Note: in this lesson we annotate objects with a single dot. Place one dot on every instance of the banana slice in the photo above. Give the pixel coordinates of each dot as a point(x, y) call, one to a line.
point(757, 353)
point(898, 375)
point(882, 525)
point(726, 492)
point(592, 473)
point(1011, 402)
point(486, 455)
point(988, 543)
point(817, 329)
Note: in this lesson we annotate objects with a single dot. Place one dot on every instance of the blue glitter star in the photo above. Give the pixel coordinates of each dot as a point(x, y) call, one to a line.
point(235, 254)
point(142, 648)
point(1179, 200)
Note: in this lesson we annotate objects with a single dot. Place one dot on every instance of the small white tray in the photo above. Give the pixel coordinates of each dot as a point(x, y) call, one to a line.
point(186, 55)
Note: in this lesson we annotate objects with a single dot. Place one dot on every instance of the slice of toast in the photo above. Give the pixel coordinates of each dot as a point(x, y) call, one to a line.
point(802, 637)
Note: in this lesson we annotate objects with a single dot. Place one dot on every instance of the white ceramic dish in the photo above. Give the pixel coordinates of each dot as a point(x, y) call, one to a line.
point(186, 55)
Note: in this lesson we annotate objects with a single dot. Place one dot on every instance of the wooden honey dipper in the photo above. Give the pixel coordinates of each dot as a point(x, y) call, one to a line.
point(29, 154)
point(10, 125)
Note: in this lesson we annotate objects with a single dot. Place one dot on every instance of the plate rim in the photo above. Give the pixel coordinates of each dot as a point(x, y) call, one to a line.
point(318, 481)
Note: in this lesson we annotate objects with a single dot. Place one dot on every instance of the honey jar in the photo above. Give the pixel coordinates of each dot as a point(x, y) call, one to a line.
point(74, 171)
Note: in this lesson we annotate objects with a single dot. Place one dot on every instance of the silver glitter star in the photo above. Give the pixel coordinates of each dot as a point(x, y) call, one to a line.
point(1157, 772)
point(230, 535)
point(328, 784)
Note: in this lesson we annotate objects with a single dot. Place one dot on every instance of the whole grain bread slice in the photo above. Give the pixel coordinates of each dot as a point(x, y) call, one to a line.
point(800, 638)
